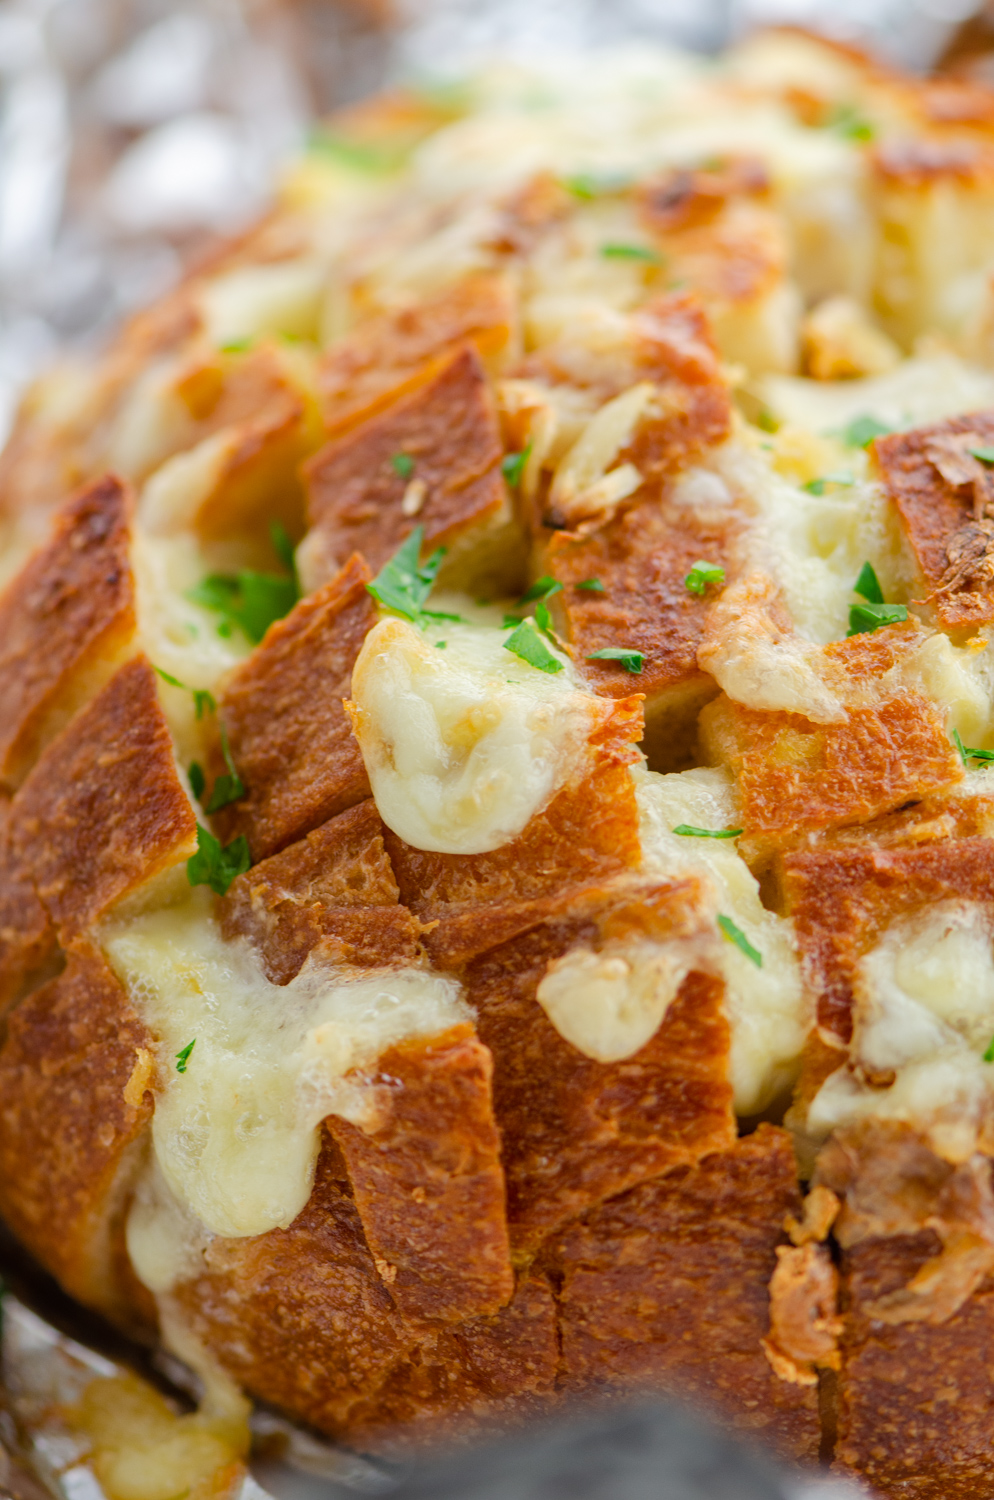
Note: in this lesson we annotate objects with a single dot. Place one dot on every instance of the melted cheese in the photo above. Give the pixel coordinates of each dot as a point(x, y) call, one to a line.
point(924, 1013)
point(236, 1135)
point(769, 1015)
point(608, 1004)
point(464, 743)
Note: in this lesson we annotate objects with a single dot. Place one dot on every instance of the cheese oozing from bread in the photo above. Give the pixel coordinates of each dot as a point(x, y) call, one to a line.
point(236, 1132)
point(463, 740)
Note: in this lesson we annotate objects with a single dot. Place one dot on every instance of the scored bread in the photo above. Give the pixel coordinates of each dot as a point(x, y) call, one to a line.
point(496, 860)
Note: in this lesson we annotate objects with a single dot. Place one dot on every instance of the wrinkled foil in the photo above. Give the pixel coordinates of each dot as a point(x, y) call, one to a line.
point(133, 133)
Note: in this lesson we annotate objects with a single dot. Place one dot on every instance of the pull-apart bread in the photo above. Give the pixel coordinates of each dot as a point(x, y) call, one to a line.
point(496, 689)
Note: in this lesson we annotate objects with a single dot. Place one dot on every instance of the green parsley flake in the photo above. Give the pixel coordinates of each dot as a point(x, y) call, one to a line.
point(215, 866)
point(967, 753)
point(202, 699)
point(629, 659)
point(986, 455)
point(529, 645)
point(440, 645)
point(767, 422)
point(183, 1057)
point(542, 588)
point(864, 618)
point(250, 600)
point(198, 780)
point(737, 936)
point(989, 1054)
point(543, 619)
point(590, 185)
point(402, 586)
point(688, 831)
point(402, 464)
point(358, 156)
point(591, 586)
point(511, 622)
point(633, 252)
point(512, 466)
point(283, 547)
point(701, 574)
point(817, 486)
point(848, 122)
point(861, 431)
point(227, 788)
point(867, 585)
point(237, 346)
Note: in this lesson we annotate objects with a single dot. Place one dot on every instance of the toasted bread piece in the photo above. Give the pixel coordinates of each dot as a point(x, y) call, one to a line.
point(428, 1183)
point(796, 776)
point(27, 936)
point(104, 811)
point(75, 1096)
point(66, 623)
point(336, 889)
point(385, 355)
point(301, 1317)
point(470, 902)
point(915, 1392)
point(445, 438)
point(845, 893)
point(944, 496)
point(666, 1285)
point(282, 709)
point(576, 1131)
point(642, 558)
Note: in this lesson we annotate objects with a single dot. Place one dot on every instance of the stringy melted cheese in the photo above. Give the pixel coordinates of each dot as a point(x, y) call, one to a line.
point(236, 1135)
point(464, 743)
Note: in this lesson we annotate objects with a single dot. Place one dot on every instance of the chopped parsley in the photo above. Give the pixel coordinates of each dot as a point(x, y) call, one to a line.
point(591, 586)
point(512, 466)
point(440, 645)
point(967, 753)
point(688, 831)
point(183, 1057)
point(986, 455)
point(283, 547)
point(633, 252)
point(402, 585)
point(989, 1054)
point(202, 699)
point(229, 787)
point(542, 588)
point(217, 866)
point(402, 464)
point(847, 121)
point(767, 422)
point(543, 619)
point(511, 622)
point(701, 574)
point(867, 617)
point(529, 645)
point(237, 346)
point(868, 585)
point(358, 156)
point(630, 659)
point(860, 432)
point(590, 185)
point(737, 936)
point(197, 779)
point(250, 600)
point(817, 486)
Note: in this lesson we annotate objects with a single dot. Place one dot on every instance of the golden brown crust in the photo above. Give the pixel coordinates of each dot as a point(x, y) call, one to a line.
point(75, 1080)
point(65, 622)
point(27, 937)
point(843, 895)
point(301, 1318)
point(945, 499)
point(336, 889)
point(666, 1285)
point(576, 1131)
point(386, 355)
point(289, 734)
point(795, 777)
point(448, 429)
point(104, 810)
point(428, 1182)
